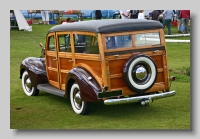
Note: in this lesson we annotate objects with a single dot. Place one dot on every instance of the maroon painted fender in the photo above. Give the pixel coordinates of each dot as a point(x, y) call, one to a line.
point(88, 85)
point(36, 70)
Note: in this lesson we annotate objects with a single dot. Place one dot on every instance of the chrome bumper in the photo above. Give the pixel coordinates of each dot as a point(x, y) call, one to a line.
point(145, 100)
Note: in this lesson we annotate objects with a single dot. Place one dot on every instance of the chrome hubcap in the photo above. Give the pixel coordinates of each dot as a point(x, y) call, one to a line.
point(77, 99)
point(27, 83)
point(141, 73)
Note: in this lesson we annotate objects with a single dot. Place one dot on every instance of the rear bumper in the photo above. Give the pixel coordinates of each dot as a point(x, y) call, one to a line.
point(143, 99)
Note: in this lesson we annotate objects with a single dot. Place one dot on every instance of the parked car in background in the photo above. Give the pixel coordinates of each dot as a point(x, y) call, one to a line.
point(113, 61)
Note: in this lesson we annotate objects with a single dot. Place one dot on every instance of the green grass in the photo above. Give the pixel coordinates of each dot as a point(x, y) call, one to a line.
point(47, 111)
point(173, 30)
point(178, 55)
point(179, 38)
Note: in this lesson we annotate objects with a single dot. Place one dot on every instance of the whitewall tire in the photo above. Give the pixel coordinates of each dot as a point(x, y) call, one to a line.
point(29, 90)
point(79, 106)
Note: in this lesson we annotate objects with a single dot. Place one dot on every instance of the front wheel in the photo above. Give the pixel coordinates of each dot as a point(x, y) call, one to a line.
point(29, 90)
point(79, 106)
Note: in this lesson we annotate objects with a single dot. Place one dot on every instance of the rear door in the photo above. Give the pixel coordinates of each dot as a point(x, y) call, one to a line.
point(65, 56)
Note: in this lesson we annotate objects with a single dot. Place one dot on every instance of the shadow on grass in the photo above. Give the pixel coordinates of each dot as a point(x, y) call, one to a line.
point(99, 108)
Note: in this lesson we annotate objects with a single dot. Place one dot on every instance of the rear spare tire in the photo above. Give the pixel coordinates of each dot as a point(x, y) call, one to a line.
point(140, 73)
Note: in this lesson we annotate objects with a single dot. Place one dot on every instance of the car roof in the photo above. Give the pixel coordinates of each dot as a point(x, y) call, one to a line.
point(108, 25)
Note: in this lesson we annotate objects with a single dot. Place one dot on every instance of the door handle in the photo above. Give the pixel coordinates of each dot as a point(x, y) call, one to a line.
point(116, 55)
point(55, 59)
point(155, 51)
point(71, 60)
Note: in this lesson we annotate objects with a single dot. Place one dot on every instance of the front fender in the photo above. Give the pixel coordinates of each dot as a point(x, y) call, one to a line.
point(88, 85)
point(36, 65)
point(36, 70)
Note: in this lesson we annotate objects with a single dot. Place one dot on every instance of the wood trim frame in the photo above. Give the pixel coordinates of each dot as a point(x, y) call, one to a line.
point(63, 54)
point(132, 35)
point(51, 53)
point(165, 60)
point(103, 61)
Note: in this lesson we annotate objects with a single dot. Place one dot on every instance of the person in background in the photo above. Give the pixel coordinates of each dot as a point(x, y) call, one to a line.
point(160, 17)
point(133, 14)
point(159, 11)
point(168, 16)
point(115, 14)
point(174, 14)
point(98, 14)
point(68, 20)
point(141, 14)
point(185, 17)
point(178, 20)
point(124, 14)
point(45, 16)
point(154, 15)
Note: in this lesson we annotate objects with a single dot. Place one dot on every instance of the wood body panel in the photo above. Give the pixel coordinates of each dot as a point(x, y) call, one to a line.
point(115, 67)
point(95, 65)
point(94, 74)
point(157, 86)
point(51, 61)
point(65, 65)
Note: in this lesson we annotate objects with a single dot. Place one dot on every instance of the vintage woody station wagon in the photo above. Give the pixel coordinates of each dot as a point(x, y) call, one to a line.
point(114, 61)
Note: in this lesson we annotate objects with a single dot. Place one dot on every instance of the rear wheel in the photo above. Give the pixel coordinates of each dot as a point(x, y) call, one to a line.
point(29, 90)
point(79, 106)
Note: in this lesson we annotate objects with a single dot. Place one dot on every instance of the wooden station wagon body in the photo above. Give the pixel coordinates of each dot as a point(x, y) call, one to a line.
point(114, 61)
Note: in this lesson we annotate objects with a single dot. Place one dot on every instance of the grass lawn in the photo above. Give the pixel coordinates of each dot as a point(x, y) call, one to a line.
point(47, 111)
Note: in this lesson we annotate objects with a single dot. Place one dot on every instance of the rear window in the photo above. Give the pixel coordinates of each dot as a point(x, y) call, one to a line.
point(125, 41)
point(113, 42)
point(147, 39)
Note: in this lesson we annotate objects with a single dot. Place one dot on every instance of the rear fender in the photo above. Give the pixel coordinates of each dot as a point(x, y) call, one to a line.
point(89, 87)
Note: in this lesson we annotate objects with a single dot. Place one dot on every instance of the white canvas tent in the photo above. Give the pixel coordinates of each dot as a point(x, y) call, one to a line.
point(21, 21)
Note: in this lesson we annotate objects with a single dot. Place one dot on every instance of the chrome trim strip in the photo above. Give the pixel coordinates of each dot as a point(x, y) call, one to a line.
point(159, 47)
point(139, 98)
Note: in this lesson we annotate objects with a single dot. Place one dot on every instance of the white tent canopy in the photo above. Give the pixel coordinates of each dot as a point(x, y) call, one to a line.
point(21, 21)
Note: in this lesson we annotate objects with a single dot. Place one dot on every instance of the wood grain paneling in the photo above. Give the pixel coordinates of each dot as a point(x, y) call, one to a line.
point(117, 82)
point(53, 75)
point(95, 65)
point(158, 59)
point(65, 64)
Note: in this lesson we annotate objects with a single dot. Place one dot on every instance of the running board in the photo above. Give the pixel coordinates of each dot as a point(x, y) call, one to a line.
point(50, 89)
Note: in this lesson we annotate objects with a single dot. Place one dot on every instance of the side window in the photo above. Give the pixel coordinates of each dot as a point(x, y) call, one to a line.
point(51, 46)
point(86, 44)
point(147, 39)
point(114, 42)
point(64, 43)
